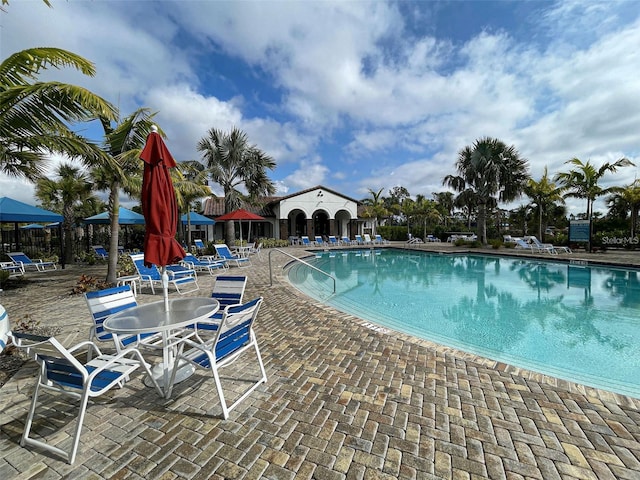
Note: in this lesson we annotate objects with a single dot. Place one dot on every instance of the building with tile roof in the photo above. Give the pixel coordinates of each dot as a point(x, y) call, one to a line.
point(314, 211)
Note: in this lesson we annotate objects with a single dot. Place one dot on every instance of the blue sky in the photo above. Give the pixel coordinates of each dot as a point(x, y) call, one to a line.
point(359, 95)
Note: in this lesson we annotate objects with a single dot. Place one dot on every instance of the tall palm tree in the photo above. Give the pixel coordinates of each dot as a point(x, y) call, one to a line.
point(233, 163)
point(34, 116)
point(625, 201)
point(544, 196)
point(69, 191)
point(582, 181)
point(191, 184)
point(121, 169)
point(491, 170)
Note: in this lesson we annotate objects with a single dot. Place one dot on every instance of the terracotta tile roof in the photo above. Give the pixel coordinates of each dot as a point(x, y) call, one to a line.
point(214, 207)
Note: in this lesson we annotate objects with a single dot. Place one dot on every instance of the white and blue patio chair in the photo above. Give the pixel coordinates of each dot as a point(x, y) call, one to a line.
point(359, 240)
point(179, 276)
point(305, 241)
point(347, 241)
point(21, 259)
point(234, 336)
point(223, 252)
point(103, 303)
point(333, 241)
point(228, 290)
point(378, 240)
point(199, 245)
point(62, 373)
point(319, 242)
point(204, 264)
point(100, 251)
point(4, 328)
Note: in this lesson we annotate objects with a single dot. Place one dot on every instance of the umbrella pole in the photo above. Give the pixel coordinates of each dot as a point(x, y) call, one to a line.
point(165, 288)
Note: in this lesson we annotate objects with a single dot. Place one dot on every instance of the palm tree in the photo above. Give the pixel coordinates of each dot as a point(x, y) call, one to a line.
point(624, 201)
point(375, 208)
point(190, 183)
point(582, 182)
point(65, 194)
point(34, 116)
point(446, 204)
point(489, 169)
point(544, 196)
point(121, 169)
point(232, 164)
point(426, 211)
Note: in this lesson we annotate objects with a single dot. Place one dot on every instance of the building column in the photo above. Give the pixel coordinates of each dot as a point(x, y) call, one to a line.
point(284, 229)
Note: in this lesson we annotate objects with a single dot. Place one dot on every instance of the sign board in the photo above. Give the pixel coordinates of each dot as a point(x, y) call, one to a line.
point(579, 231)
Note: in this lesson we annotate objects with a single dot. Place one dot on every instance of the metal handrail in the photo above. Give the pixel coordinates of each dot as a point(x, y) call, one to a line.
point(271, 250)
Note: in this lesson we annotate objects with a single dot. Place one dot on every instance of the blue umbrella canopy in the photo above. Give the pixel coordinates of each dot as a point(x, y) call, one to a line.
point(14, 211)
point(125, 217)
point(197, 219)
point(32, 226)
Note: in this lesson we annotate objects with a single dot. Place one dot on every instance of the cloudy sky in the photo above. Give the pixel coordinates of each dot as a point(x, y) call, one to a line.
point(358, 95)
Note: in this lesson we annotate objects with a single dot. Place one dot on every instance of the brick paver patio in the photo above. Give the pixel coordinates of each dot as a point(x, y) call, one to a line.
point(345, 400)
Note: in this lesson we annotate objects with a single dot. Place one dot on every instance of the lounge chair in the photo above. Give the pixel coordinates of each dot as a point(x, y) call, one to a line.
point(305, 241)
point(228, 290)
point(367, 239)
point(546, 246)
point(414, 240)
point(347, 241)
point(333, 241)
point(14, 269)
point(533, 248)
point(359, 240)
point(103, 303)
point(199, 245)
point(380, 241)
point(225, 254)
point(61, 372)
point(100, 251)
point(179, 276)
point(319, 242)
point(204, 264)
point(21, 259)
point(234, 336)
point(432, 238)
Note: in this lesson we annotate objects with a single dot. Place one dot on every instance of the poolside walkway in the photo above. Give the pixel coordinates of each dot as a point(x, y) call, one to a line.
point(345, 399)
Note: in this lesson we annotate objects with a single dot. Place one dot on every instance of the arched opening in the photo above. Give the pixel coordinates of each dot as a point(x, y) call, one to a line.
point(297, 223)
point(321, 223)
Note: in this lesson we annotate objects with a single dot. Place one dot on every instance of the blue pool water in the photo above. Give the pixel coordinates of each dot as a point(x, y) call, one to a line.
point(578, 323)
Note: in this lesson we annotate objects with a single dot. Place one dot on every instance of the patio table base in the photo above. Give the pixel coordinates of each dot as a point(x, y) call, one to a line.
point(185, 370)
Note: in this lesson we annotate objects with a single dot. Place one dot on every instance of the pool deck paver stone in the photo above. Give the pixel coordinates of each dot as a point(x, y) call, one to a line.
point(345, 399)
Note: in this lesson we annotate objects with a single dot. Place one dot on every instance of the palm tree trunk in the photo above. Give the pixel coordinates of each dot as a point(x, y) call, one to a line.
point(114, 208)
point(482, 223)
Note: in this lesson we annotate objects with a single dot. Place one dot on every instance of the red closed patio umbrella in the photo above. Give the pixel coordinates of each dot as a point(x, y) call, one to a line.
point(159, 207)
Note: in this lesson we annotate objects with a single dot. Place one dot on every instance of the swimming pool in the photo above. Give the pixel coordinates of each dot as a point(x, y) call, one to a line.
point(574, 322)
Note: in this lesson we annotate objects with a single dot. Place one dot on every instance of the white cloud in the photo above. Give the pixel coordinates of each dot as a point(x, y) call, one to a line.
point(353, 86)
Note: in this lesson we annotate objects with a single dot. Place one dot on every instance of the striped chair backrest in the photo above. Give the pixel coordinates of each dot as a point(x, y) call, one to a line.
point(229, 290)
point(4, 328)
point(103, 303)
point(151, 272)
point(235, 328)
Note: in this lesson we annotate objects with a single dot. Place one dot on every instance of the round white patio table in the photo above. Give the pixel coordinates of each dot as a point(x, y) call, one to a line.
point(152, 317)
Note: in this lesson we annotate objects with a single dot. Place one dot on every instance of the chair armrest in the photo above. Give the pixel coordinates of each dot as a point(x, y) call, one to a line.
point(86, 344)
